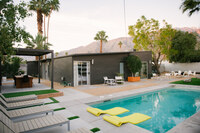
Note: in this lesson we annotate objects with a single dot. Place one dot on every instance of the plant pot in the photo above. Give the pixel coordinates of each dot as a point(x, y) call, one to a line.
point(37, 58)
point(133, 79)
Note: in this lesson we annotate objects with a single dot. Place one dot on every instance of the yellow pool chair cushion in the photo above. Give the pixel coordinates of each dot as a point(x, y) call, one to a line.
point(113, 111)
point(134, 119)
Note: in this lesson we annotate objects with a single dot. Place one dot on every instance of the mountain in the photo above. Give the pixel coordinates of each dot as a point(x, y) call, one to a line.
point(190, 29)
point(110, 46)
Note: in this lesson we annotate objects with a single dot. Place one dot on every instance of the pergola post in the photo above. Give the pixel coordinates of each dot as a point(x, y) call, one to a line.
point(0, 76)
point(39, 70)
point(52, 68)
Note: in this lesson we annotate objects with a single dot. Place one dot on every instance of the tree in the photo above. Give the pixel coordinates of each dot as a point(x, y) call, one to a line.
point(53, 5)
point(197, 47)
point(66, 53)
point(183, 44)
point(10, 31)
point(148, 36)
point(39, 7)
point(102, 37)
point(120, 44)
point(134, 64)
point(56, 54)
point(11, 66)
point(191, 6)
point(39, 43)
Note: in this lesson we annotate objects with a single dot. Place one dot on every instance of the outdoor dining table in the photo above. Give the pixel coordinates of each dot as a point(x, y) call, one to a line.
point(20, 83)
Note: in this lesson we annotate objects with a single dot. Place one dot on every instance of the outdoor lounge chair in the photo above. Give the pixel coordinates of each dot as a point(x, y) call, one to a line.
point(194, 73)
point(133, 118)
point(189, 73)
point(119, 79)
point(80, 130)
point(20, 104)
point(109, 81)
point(177, 73)
point(4, 128)
point(34, 124)
point(113, 111)
point(105, 80)
point(13, 114)
point(19, 99)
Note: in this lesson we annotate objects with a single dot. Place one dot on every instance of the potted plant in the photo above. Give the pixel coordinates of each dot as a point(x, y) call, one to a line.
point(134, 64)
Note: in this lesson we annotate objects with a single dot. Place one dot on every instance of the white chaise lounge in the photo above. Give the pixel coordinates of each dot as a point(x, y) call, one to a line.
point(19, 99)
point(16, 105)
point(80, 130)
point(19, 113)
point(119, 79)
point(109, 81)
point(33, 125)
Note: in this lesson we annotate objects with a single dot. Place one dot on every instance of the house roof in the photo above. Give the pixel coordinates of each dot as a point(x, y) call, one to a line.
point(92, 54)
point(32, 52)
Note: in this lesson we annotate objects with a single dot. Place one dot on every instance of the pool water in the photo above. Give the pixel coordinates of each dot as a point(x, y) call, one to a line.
point(167, 107)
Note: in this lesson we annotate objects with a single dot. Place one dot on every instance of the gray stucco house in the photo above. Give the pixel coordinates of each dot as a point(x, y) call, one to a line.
point(89, 69)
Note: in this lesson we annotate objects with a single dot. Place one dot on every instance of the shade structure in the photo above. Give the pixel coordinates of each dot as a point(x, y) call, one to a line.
point(33, 52)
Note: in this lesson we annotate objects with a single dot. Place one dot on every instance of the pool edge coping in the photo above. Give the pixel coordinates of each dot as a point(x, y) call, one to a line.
point(119, 95)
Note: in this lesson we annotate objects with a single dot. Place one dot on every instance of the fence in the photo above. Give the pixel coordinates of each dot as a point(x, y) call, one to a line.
point(168, 67)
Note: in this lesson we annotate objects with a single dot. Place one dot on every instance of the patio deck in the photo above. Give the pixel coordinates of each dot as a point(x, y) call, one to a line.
point(75, 101)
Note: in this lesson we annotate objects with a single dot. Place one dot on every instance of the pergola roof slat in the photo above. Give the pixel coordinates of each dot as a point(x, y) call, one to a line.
point(31, 52)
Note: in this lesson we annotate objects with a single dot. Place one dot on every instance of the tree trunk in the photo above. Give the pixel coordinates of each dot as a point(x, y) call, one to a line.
point(39, 21)
point(157, 66)
point(45, 26)
point(100, 46)
point(48, 25)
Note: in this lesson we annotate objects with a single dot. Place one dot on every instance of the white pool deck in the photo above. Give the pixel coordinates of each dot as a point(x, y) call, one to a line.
point(76, 103)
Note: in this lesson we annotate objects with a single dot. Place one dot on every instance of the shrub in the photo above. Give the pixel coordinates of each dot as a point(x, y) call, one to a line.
point(10, 67)
point(134, 64)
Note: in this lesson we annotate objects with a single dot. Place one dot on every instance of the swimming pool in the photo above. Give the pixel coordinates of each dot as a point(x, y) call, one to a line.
point(167, 107)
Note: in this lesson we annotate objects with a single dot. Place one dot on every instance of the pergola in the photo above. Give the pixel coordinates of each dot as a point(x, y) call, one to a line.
point(34, 52)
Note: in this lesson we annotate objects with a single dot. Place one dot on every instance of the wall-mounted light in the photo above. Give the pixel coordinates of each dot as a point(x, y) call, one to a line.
point(149, 61)
point(92, 61)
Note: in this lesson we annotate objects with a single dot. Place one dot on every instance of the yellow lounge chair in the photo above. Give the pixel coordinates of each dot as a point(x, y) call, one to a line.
point(133, 118)
point(113, 111)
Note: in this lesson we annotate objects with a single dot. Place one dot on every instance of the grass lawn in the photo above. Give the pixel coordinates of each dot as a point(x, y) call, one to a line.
point(16, 94)
point(194, 81)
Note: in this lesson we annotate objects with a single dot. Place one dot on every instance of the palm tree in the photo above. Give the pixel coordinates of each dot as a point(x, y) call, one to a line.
point(191, 6)
point(53, 5)
point(39, 43)
point(120, 44)
point(101, 35)
point(38, 6)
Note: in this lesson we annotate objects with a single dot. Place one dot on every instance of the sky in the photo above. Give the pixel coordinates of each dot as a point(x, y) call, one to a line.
point(77, 21)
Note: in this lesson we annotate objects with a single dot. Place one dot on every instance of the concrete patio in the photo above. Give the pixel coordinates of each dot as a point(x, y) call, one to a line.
point(76, 100)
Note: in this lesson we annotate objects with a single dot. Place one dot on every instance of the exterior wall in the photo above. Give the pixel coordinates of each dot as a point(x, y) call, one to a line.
point(62, 68)
point(45, 70)
point(109, 64)
point(168, 67)
point(32, 68)
point(23, 67)
point(104, 65)
point(145, 56)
